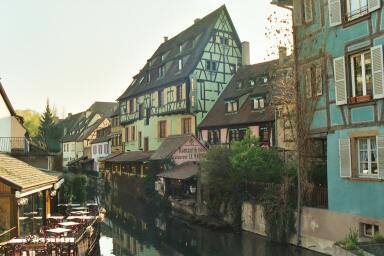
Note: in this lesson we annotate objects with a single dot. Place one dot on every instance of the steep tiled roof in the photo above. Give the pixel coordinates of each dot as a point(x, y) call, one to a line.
point(131, 156)
point(193, 41)
point(80, 125)
point(22, 175)
point(181, 172)
point(170, 145)
point(218, 117)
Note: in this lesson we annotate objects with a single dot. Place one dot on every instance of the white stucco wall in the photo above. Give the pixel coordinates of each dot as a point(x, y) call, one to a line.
point(96, 154)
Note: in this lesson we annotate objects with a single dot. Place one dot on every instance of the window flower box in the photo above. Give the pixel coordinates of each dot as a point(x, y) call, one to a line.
point(363, 98)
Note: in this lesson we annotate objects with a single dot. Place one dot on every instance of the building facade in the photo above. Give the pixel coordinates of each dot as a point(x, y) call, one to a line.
point(101, 146)
point(180, 83)
point(339, 46)
point(80, 129)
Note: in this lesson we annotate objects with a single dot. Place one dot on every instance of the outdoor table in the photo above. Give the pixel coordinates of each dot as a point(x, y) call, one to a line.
point(17, 241)
point(23, 218)
point(81, 217)
point(56, 217)
point(79, 212)
point(59, 231)
point(92, 204)
point(80, 208)
point(69, 224)
point(38, 217)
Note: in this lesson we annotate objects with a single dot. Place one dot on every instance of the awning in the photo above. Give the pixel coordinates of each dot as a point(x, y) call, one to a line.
point(181, 172)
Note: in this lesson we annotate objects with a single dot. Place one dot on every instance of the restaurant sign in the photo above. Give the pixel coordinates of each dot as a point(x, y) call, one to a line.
point(191, 151)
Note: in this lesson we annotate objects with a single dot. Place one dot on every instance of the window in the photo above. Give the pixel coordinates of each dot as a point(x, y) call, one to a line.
point(180, 47)
point(126, 134)
point(211, 65)
point(162, 57)
point(133, 133)
point(361, 74)
point(367, 156)
point(239, 84)
point(236, 134)
point(161, 98)
point(186, 126)
point(308, 14)
point(94, 149)
point(162, 129)
point(288, 136)
point(251, 82)
point(213, 137)
point(100, 149)
point(356, 8)
point(313, 81)
point(232, 68)
point(231, 106)
point(179, 93)
point(161, 71)
point(369, 230)
point(264, 134)
point(131, 104)
point(180, 64)
point(106, 151)
point(258, 103)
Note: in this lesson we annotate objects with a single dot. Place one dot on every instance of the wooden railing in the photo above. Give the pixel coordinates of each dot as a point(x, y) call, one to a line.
point(6, 235)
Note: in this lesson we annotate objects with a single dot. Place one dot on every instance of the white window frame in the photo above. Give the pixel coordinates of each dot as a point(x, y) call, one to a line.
point(232, 106)
point(363, 72)
point(350, 18)
point(369, 174)
point(258, 103)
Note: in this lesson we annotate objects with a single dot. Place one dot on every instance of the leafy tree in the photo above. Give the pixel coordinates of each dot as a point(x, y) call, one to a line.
point(79, 188)
point(49, 133)
point(31, 120)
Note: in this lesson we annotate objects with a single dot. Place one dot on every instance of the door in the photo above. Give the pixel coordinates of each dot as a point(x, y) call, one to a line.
point(146, 144)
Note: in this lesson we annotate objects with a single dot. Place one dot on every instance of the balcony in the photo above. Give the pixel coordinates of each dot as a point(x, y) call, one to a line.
point(14, 145)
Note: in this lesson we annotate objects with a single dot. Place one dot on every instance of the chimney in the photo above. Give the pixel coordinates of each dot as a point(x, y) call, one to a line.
point(165, 39)
point(69, 114)
point(245, 53)
point(282, 54)
point(196, 20)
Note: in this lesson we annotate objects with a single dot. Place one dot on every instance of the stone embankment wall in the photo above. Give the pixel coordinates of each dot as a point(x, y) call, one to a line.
point(320, 228)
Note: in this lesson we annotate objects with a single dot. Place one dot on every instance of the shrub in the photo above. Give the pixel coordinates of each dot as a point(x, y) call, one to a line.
point(378, 238)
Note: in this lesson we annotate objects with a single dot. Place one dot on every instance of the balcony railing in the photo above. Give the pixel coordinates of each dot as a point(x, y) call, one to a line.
point(14, 145)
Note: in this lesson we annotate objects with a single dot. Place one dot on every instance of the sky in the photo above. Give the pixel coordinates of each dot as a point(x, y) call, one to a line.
point(76, 52)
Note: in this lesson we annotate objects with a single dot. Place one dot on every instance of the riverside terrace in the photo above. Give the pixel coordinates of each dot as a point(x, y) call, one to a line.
point(74, 232)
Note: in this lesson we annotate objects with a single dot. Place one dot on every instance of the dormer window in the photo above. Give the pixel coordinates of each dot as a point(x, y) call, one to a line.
point(180, 48)
point(232, 68)
point(232, 106)
point(258, 103)
point(251, 82)
point(239, 84)
point(180, 64)
point(162, 57)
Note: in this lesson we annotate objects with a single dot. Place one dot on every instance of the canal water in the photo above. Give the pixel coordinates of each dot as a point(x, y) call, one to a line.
point(133, 228)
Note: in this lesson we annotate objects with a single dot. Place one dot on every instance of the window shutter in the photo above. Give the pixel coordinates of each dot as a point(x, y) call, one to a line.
point(165, 96)
point(134, 105)
point(297, 12)
point(380, 155)
point(377, 71)
point(373, 5)
point(340, 84)
point(319, 81)
point(308, 80)
point(155, 99)
point(308, 15)
point(345, 157)
point(334, 9)
point(183, 91)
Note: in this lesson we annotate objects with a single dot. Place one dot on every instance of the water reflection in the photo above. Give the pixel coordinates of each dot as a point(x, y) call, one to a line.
point(135, 228)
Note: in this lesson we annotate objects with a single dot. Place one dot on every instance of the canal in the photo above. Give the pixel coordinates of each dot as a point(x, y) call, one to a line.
point(133, 227)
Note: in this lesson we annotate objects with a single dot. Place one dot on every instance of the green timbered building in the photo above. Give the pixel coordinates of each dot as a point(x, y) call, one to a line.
point(180, 83)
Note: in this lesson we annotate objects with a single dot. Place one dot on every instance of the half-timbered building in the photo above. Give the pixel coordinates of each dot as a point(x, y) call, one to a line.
point(180, 82)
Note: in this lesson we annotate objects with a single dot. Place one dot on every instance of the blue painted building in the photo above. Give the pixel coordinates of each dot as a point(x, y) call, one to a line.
point(339, 46)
